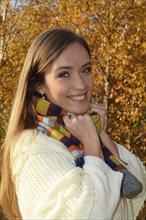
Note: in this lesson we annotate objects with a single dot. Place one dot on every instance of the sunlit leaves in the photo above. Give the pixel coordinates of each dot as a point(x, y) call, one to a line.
point(116, 35)
point(115, 31)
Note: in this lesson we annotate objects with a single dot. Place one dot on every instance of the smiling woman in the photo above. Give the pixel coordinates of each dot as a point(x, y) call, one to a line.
point(57, 160)
point(68, 81)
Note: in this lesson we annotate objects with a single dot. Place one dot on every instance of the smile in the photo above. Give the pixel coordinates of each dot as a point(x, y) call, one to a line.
point(77, 97)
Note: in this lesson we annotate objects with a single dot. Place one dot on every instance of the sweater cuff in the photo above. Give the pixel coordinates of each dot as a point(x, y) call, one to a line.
point(97, 165)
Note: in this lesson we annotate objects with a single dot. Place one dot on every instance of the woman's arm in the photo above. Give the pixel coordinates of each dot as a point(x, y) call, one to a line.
point(107, 141)
point(135, 166)
point(50, 186)
point(104, 137)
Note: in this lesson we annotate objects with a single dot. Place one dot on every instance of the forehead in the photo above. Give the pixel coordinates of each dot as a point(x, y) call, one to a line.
point(74, 54)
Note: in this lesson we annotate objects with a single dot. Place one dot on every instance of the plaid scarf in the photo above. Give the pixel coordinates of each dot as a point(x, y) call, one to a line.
point(49, 120)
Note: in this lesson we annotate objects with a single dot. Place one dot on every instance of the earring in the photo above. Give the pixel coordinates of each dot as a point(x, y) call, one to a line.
point(43, 96)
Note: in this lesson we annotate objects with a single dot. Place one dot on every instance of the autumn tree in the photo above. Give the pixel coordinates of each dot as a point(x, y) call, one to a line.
point(115, 31)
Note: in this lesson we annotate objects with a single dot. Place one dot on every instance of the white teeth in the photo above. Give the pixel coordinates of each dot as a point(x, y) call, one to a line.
point(77, 98)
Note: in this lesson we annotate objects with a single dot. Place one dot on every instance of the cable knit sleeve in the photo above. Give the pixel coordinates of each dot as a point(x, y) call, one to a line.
point(50, 186)
point(135, 166)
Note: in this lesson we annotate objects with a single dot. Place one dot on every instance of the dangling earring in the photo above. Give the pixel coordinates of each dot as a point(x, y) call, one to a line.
point(43, 96)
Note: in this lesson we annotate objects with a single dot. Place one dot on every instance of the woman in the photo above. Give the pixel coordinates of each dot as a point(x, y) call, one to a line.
point(55, 163)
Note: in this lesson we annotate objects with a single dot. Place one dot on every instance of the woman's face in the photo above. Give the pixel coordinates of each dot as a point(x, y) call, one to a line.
point(68, 81)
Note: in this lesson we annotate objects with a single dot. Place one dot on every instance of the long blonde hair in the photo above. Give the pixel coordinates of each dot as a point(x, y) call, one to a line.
point(43, 51)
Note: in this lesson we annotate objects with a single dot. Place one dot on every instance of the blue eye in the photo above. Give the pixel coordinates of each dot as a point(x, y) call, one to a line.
point(63, 74)
point(87, 70)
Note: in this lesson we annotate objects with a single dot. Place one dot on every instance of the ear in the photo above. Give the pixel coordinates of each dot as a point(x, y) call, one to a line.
point(40, 89)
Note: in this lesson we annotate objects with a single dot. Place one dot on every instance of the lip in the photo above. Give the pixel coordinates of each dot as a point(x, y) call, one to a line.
point(85, 93)
point(74, 98)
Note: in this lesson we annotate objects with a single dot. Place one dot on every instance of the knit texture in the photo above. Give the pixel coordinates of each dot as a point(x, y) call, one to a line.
point(50, 186)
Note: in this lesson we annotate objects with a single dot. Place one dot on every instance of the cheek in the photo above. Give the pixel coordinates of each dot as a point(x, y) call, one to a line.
point(59, 91)
point(90, 82)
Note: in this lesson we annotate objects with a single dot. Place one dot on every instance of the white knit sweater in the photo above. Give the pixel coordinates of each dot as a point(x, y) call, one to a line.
point(50, 186)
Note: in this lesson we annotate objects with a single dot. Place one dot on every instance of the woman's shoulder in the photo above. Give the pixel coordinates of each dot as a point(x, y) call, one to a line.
point(33, 142)
point(32, 145)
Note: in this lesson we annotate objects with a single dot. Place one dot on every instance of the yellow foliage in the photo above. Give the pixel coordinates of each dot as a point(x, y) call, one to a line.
point(116, 35)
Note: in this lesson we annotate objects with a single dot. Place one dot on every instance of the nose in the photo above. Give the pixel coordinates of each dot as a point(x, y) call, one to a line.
point(79, 83)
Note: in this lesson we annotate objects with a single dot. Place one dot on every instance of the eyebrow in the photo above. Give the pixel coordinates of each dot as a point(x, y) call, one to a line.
point(69, 67)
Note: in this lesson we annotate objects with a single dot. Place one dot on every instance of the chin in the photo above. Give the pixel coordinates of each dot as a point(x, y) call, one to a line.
point(79, 111)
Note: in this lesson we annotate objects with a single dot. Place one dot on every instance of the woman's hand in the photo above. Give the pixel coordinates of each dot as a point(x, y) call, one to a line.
point(83, 128)
point(100, 110)
point(104, 137)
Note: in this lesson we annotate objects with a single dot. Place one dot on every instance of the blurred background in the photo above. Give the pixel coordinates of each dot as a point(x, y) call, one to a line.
point(116, 33)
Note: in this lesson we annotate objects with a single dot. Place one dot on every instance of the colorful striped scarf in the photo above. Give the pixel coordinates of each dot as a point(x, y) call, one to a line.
point(49, 120)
